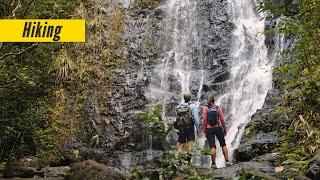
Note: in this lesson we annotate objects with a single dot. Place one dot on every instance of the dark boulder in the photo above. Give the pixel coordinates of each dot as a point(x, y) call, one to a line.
point(263, 169)
point(61, 171)
point(30, 161)
point(301, 178)
point(90, 169)
point(259, 145)
point(19, 171)
point(313, 171)
point(25, 168)
point(268, 157)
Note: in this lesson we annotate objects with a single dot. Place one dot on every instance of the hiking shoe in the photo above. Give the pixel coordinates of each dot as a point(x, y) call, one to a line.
point(228, 163)
point(213, 166)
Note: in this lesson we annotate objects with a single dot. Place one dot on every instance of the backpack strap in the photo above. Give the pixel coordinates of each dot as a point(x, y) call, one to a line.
point(217, 107)
point(212, 106)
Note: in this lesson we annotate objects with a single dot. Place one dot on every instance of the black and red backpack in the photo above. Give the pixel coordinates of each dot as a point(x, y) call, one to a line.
point(213, 115)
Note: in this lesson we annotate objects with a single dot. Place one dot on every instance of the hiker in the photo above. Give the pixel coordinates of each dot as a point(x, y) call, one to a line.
point(186, 121)
point(214, 126)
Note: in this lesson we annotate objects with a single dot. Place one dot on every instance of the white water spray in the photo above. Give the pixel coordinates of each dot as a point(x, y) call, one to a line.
point(177, 62)
point(251, 74)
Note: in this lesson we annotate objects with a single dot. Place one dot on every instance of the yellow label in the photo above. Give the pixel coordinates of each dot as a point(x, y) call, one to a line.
point(42, 30)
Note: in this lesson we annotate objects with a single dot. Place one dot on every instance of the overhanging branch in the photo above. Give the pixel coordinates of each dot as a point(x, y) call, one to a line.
point(18, 53)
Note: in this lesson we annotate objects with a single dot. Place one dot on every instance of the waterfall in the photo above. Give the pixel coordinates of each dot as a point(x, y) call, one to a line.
point(251, 74)
point(178, 62)
point(183, 64)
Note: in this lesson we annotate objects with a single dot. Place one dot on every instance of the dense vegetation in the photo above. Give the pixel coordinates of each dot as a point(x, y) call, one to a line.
point(28, 75)
point(298, 76)
point(45, 86)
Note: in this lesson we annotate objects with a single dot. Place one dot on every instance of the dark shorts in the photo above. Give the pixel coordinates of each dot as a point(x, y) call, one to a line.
point(211, 133)
point(187, 136)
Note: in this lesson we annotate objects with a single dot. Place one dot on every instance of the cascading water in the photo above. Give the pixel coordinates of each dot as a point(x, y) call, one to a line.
point(182, 51)
point(251, 74)
point(184, 65)
point(181, 65)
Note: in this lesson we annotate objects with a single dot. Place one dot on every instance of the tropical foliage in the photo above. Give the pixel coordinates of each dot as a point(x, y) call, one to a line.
point(28, 79)
point(156, 126)
point(45, 86)
point(298, 76)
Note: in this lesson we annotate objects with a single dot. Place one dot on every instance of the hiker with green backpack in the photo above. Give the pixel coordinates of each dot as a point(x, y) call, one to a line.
point(187, 119)
point(214, 126)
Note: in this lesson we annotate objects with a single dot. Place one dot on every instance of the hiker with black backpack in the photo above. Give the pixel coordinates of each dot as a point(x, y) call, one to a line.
point(187, 118)
point(214, 126)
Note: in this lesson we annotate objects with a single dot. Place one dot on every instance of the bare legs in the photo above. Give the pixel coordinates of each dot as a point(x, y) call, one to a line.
point(190, 144)
point(181, 146)
point(225, 153)
point(214, 154)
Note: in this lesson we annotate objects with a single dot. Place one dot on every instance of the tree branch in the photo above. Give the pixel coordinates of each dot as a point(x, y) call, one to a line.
point(18, 53)
point(16, 8)
point(13, 13)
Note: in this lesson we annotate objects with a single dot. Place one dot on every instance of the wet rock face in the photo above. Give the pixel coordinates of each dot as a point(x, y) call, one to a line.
point(141, 31)
point(147, 158)
point(116, 119)
point(216, 38)
point(263, 143)
point(260, 135)
point(196, 39)
point(277, 42)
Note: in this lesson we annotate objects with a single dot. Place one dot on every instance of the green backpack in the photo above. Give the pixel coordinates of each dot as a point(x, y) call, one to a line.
point(184, 114)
